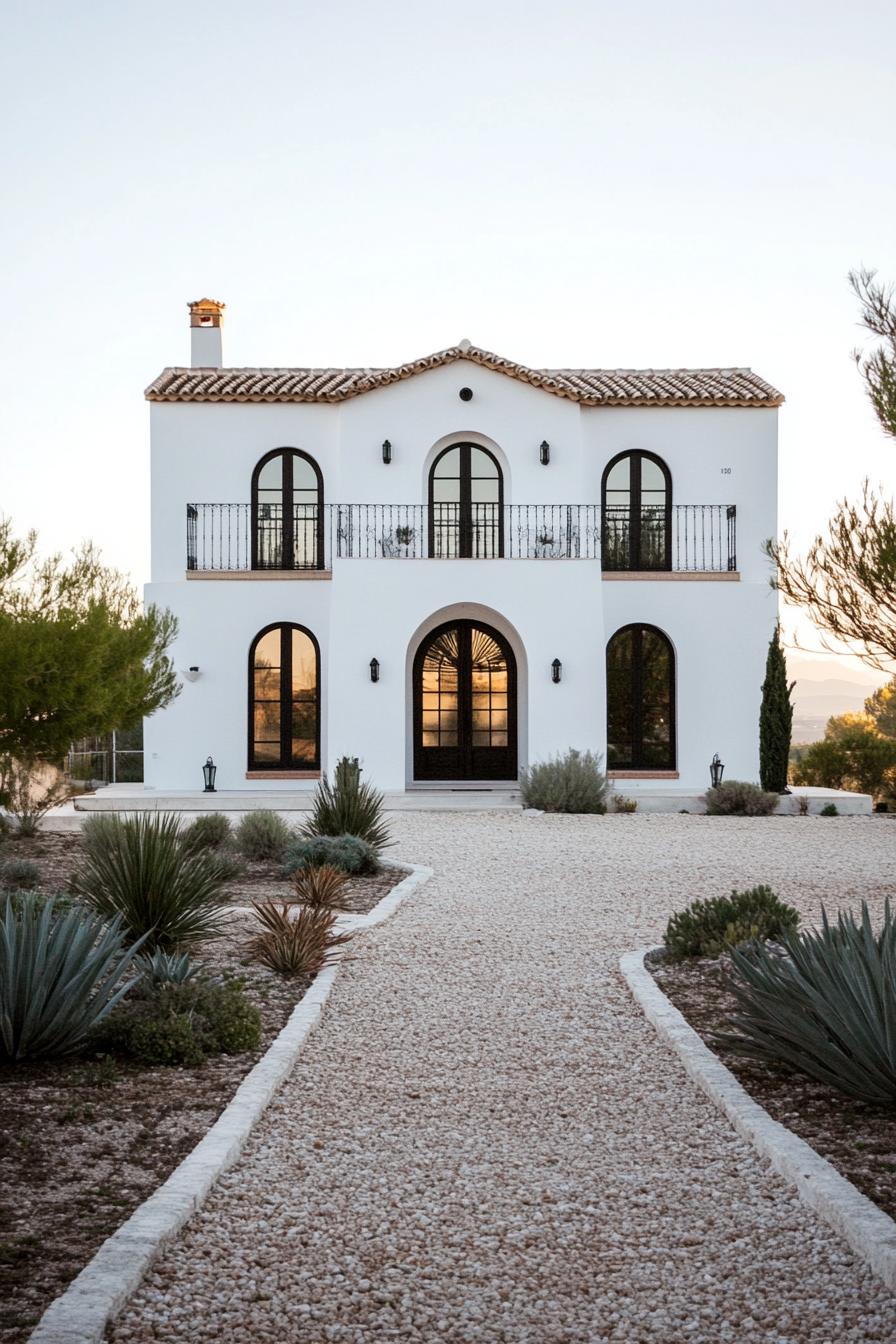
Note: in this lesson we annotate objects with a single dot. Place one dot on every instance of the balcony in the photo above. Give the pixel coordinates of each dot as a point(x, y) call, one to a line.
point(688, 538)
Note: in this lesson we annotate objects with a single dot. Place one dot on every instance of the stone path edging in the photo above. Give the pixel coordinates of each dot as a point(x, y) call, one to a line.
point(81, 1313)
point(869, 1231)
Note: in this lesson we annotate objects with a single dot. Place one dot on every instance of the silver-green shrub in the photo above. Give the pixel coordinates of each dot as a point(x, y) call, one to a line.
point(210, 830)
point(19, 875)
point(60, 975)
point(737, 798)
point(823, 1004)
point(348, 853)
point(574, 782)
point(262, 836)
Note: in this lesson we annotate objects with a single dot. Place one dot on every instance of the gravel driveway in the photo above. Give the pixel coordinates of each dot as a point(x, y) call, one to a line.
point(485, 1141)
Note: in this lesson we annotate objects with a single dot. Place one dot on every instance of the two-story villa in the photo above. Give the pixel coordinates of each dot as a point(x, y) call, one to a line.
point(457, 567)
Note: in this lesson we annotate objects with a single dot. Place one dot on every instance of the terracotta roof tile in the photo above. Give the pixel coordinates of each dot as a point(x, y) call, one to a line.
point(590, 387)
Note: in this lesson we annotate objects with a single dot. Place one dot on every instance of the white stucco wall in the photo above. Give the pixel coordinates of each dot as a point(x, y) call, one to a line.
point(381, 607)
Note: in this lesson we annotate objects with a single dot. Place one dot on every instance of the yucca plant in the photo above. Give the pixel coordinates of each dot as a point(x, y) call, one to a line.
point(323, 888)
point(348, 807)
point(59, 976)
point(138, 869)
point(295, 941)
point(824, 1005)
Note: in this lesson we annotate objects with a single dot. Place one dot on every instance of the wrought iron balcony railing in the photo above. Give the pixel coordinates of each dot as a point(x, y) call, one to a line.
point(696, 537)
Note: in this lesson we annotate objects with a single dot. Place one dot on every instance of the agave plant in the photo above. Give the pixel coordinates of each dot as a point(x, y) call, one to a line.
point(59, 976)
point(294, 942)
point(138, 869)
point(322, 888)
point(348, 807)
point(822, 1003)
point(167, 968)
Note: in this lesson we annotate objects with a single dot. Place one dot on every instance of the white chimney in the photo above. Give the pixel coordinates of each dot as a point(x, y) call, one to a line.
point(206, 316)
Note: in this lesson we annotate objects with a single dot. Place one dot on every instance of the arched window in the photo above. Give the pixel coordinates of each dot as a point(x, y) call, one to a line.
point(637, 513)
point(287, 512)
point(466, 497)
point(284, 699)
point(640, 700)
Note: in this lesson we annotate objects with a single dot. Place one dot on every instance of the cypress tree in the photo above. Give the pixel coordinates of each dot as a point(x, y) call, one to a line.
point(775, 719)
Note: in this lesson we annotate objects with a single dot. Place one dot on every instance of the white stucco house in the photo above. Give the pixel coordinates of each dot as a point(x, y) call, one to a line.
point(457, 567)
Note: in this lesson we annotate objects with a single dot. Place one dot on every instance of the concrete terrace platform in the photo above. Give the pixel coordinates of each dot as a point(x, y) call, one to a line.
point(136, 798)
point(677, 798)
point(460, 798)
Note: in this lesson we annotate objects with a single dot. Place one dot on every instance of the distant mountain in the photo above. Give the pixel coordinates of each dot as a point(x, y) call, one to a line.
point(825, 687)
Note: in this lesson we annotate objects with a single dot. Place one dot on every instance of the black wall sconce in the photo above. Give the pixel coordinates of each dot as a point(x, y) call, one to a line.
point(544, 452)
point(209, 770)
point(556, 670)
point(374, 669)
point(387, 452)
point(466, 394)
point(716, 770)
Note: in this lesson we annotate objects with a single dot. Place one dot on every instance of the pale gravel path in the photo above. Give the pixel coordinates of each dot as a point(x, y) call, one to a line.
point(485, 1141)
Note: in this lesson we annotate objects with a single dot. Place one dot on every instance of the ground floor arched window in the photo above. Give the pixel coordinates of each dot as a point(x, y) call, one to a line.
point(640, 700)
point(284, 699)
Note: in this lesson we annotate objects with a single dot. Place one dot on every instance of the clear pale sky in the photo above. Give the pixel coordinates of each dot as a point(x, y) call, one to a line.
point(567, 184)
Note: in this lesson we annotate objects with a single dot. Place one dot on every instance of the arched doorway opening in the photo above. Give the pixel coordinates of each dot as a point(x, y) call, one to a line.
point(465, 704)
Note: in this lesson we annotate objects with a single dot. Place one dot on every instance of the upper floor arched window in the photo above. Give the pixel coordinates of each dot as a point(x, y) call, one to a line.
point(284, 699)
point(287, 512)
point(466, 499)
point(640, 700)
point(637, 513)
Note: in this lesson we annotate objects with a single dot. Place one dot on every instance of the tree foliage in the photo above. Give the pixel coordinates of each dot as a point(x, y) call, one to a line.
point(78, 655)
point(775, 719)
point(852, 755)
point(878, 365)
point(881, 708)
point(847, 582)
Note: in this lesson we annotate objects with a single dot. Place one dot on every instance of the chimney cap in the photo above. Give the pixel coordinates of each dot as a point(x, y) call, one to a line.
point(206, 312)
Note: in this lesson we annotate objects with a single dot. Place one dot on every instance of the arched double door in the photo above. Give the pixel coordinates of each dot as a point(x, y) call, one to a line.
point(465, 704)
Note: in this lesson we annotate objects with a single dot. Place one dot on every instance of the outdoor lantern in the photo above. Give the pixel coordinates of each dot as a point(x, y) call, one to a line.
point(209, 770)
point(716, 770)
point(556, 669)
point(387, 452)
point(374, 669)
point(544, 452)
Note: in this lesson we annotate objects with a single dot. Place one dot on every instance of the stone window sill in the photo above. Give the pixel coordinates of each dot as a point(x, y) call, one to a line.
point(283, 774)
point(642, 774)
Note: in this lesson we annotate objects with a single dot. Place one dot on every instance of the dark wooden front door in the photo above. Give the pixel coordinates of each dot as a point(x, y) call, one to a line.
point(465, 704)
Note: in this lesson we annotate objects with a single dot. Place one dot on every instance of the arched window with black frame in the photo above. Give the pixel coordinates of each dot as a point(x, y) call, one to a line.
point(466, 504)
point(636, 493)
point(284, 699)
point(640, 700)
point(287, 511)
